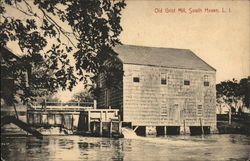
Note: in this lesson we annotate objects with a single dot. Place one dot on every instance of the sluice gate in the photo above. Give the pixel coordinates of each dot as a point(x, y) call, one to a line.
point(62, 115)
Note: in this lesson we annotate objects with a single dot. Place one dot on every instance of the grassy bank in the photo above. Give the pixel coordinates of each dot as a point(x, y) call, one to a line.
point(240, 124)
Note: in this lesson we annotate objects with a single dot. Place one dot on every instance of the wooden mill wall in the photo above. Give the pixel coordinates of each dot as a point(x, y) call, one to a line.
point(148, 102)
point(111, 97)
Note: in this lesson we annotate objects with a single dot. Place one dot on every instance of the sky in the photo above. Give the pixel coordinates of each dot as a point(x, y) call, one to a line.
point(219, 38)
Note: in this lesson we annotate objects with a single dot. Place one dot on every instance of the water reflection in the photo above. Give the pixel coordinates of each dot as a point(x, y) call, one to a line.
point(208, 147)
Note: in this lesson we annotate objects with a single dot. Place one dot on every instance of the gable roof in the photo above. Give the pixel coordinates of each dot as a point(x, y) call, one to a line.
point(164, 57)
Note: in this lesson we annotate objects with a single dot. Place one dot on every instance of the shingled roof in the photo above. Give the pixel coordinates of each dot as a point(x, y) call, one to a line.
point(164, 57)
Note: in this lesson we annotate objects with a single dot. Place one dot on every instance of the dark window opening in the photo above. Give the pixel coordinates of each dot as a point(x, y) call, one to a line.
point(186, 82)
point(136, 79)
point(163, 81)
point(206, 83)
point(173, 130)
point(163, 78)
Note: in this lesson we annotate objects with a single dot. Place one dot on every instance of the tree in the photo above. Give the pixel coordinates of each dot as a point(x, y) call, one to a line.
point(244, 91)
point(83, 96)
point(232, 93)
point(226, 92)
point(54, 35)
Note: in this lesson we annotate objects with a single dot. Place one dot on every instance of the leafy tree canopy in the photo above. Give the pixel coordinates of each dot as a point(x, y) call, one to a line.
point(54, 35)
point(83, 96)
point(231, 91)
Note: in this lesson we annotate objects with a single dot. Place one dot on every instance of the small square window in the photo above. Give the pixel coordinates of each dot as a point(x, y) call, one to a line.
point(163, 79)
point(136, 79)
point(186, 82)
point(206, 83)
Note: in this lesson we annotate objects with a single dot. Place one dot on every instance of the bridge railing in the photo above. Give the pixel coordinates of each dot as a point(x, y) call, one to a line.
point(62, 106)
point(83, 104)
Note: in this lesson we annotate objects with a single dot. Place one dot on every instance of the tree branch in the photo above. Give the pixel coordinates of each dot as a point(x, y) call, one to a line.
point(58, 27)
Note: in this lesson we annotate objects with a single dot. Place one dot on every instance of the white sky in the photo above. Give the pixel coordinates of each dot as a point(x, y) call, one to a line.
point(220, 39)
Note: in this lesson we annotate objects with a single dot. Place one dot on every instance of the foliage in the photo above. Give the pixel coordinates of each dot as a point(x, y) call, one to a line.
point(53, 35)
point(244, 91)
point(232, 92)
point(83, 96)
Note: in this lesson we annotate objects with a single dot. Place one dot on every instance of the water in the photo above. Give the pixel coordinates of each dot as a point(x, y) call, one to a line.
point(209, 147)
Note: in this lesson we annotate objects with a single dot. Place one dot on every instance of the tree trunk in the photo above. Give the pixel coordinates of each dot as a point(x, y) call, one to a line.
point(26, 127)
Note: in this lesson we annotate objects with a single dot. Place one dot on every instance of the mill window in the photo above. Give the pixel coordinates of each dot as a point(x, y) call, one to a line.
point(186, 82)
point(136, 79)
point(163, 79)
point(206, 81)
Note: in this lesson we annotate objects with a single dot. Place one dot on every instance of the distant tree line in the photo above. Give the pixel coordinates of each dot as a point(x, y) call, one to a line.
point(235, 94)
point(83, 96)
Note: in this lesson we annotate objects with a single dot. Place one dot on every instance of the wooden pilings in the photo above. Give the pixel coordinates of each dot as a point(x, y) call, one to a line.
point(88, 122)
point(100, 123)
point(120, 127)
point(165, 130)
point(105, 129)
point(202, 130)
point(110, 129)
point(184, 126)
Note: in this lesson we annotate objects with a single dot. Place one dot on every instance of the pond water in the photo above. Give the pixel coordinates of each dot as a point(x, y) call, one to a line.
point(208, 147)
